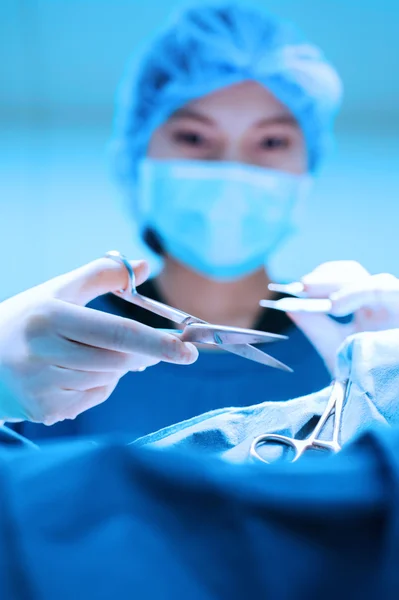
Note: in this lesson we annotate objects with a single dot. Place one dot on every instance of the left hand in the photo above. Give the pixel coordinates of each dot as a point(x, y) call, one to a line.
point(372, 299)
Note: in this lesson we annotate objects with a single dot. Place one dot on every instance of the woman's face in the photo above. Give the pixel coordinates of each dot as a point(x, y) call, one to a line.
point(241, 123)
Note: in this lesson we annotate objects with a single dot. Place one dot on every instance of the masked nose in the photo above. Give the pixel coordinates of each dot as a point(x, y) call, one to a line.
point(233, 153)
point(231, 205)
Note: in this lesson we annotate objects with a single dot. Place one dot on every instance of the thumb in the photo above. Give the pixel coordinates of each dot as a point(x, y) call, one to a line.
point(96, 278)
point(325, 334)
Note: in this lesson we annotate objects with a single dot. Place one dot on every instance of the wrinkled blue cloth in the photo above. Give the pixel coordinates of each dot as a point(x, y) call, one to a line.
point(369, 361)
point(126, 522)
point(213, 45)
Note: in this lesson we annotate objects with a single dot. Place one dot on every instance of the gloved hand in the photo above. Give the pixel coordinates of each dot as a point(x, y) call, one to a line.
point(59, 358)
point(372, 299)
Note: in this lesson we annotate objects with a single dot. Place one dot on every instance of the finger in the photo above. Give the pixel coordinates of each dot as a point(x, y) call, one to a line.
point(329, 277)
point(102, 330)
point(68, 354)
point(324, 333)
point(94, 397)
point(375, 319)
point(375, 291)
point(72, 404)
point(72, 379)
point(96, 278)
point(139, 362)
point(80, 381)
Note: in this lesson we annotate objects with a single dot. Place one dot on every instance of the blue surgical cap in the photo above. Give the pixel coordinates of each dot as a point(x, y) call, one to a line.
point(209, 47)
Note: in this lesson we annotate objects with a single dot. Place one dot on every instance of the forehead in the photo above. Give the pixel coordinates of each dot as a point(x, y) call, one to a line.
point(247, 103)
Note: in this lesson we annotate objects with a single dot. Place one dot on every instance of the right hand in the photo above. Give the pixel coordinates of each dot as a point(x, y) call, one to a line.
point(59, 358)
point(373, 300)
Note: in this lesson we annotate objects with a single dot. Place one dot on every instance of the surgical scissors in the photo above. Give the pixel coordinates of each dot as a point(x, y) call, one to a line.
point(233, 339)
point(334, 407)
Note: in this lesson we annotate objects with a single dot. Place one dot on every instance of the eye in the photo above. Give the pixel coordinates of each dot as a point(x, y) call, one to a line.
point(189, 138)
point(274, 143)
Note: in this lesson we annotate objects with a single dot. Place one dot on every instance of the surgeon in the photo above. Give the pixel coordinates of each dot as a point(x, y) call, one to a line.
point(220, 129)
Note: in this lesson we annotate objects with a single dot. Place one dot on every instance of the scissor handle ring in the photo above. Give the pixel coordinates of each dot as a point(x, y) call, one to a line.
point(265, 438)
point(121, 259)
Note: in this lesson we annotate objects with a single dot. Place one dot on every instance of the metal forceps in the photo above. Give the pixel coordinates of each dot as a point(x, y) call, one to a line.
point(233, 339)
point(334, 407)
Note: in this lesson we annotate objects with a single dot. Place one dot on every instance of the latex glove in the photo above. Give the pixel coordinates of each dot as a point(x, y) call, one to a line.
point(59, 358)
point(373, 300)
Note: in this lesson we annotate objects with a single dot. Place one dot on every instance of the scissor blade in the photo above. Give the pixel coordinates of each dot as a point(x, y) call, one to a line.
point(205, 333)
point(243, 350)
point(248, 351)
point(158, 308)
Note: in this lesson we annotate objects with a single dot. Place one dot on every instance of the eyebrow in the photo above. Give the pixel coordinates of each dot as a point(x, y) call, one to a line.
point(284, 119)
point(189, 113)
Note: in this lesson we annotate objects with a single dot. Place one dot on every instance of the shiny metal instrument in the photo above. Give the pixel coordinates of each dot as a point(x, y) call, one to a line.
point(334, 409)
point(232, 339)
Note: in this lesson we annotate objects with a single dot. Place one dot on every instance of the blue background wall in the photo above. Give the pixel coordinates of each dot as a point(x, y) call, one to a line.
point(60, 61)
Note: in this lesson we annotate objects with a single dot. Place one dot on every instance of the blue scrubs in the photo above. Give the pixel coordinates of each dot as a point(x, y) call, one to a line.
point(158, 397)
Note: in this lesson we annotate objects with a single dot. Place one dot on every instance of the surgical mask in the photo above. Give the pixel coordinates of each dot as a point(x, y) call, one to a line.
point(223, 220)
